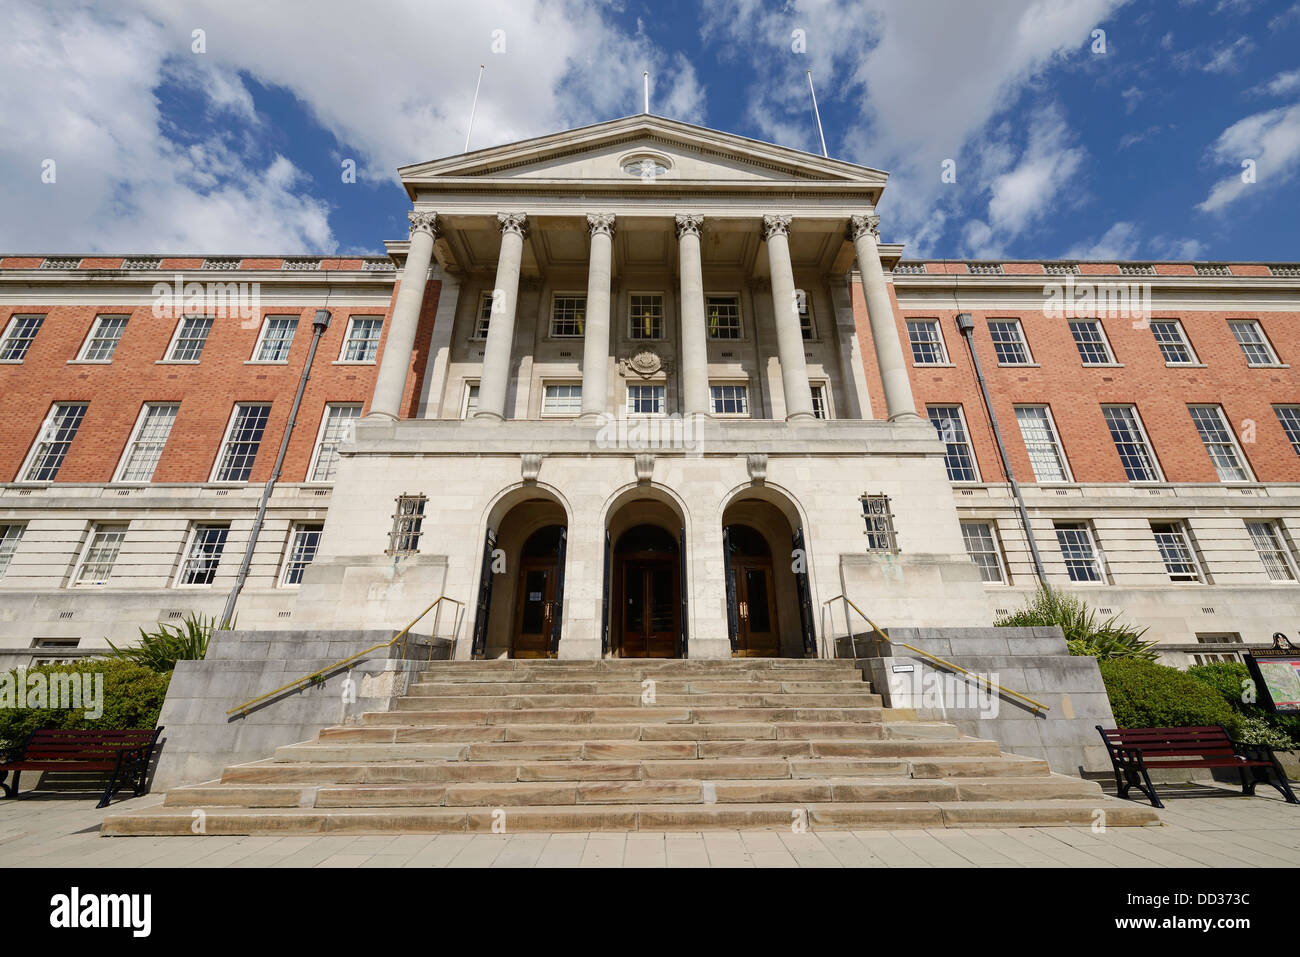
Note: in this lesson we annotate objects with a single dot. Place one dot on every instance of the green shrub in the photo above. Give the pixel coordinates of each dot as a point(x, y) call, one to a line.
point(1256, 729)
point(133, 697)
point(1106, 640)
point(1144, 694)
point(161, 649)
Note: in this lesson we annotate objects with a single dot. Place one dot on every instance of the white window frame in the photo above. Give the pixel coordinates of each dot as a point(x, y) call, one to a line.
point(291, 551)
point(469, 391)
point(1264, 342)
point(825, 389)
point(11, 536)
point(319, 447)
point(225, 441)
point(911, 344)
point(663, 316)
point(1237, 450)
point(1098, 560)
point(92, 336)
point(549, 384)
point(1186, 342)
point(96, 529)
point(1292, 436)
point(807, 320)
point(1056, 441)
point(740, 317)
point(46, 425)
point(999, 558)
point(1179, 528)
point(256, 358)
point(743, 385)
point(1279, 545)
point(1022, 340)
point(582, 323)
point(1146, 442)
point(659, 384)
point(347, 338)
point(1105, 344)
point(188, 554)
point(11, 327)
point(484, 303)
point(119, 476)
point(170, 355)
point(970, 446)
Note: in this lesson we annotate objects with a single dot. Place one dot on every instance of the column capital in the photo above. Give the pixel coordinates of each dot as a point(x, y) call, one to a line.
point(601, 224)
point(689, 224)
point(864, 223)
point(774, 225)
point(513, 223)
point(423, 221)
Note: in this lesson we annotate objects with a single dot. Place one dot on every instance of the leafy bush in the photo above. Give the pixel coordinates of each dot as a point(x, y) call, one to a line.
point(1253, 729)
point(133, 697)
point(1147, 695)
point(1084, 635)
point(161, 649)
point(1230, 679)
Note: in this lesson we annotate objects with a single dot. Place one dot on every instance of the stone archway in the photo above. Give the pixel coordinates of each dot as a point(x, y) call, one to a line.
point(766, 572)
point(645, 580)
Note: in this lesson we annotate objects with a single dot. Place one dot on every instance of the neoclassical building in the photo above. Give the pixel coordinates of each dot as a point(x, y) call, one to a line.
point(644, 389)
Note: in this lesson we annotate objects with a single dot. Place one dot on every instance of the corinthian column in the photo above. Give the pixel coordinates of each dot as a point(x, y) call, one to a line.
point(785, 307)
point(501, 324)
point(595, 345)
point(695, 346)
point(864, 230)
point(390, 383)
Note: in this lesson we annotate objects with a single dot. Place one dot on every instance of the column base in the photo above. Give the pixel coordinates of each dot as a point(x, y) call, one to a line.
point(907, 417)
point(800, 417)
point(489, 416)
point(380, 414)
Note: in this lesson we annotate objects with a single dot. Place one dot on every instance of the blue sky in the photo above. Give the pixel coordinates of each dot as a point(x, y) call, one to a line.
point(223, 126)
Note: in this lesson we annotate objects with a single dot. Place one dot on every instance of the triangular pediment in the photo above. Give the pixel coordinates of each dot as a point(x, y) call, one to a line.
point(638, 146)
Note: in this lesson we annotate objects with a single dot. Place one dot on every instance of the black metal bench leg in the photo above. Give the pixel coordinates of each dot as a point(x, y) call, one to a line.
point(1247, 782)
point(112, 784)
point(1281, 784)
point(1150, 789)
point(9, 791)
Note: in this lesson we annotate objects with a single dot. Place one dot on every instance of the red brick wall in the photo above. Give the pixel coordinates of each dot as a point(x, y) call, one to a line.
point(1075, 393)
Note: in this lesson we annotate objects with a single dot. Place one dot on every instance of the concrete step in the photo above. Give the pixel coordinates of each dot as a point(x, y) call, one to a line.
point(870, 714)
point(863, 699)
point(402, 734)
point(638, 687)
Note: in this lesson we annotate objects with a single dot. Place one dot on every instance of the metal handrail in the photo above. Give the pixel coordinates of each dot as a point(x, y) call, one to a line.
point(1037, 705)
point(319, 674)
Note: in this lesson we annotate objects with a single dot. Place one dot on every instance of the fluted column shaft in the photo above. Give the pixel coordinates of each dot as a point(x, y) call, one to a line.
point(785, 309)
point(864, 230)
point(595, 345)
point(390, 383)
point(695, 345)
point(501, 325)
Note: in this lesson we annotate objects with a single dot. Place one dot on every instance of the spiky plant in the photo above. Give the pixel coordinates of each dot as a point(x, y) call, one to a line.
point(160, 650)
point(1106, 640)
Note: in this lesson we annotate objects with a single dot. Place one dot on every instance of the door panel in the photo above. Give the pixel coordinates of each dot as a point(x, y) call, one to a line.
point(536, 603)
point(758, 635)
point(649, 613)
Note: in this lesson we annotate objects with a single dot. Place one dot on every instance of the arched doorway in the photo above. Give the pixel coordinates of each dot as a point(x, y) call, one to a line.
point(647, 593)
point(751, 593)
point(769, 602)
point(539, 594)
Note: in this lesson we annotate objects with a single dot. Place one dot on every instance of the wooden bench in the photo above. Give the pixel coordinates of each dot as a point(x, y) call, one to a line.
point(1135, 751)
point(124, 753)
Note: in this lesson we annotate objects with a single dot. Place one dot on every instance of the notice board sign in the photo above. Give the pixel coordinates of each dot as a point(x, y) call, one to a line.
point(1277, 678)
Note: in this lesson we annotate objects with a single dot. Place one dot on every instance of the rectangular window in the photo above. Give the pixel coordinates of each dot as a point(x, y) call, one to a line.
point(821, 405)
point(1272, 551)
point(408, 523)
point(276, 338)
point(10, 536)
point(1090, 340)
point(1176, 549)
point(336, 427)
point(803, 302)
point(959, 459)
point(101, 553)
point(1254, 344)
point(191, 337)
point(982, 547)
point(1041, 442)
point(729, 399)
point(18, 337)
point(562, 399)
point(568, 316)
point(203, 555)
point(52, 444)
point(147, 442)
point(927, 342)
point(1173, 342)
point(1212, 425)
point(879, 519)
point(645, 400)
point(645, 316)
point(104, 336)
point(362, 341)
point(303, 542)
point(470, 404)
point(1009, 342)
point(243, 438)
point(484, 317)
point(1082, 561)
point(1289, 416)
point(723, 314)
point(1131, 443)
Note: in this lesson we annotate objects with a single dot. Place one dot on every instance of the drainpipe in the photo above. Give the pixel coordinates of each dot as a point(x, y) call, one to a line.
point(966, 325)
point(318, 325)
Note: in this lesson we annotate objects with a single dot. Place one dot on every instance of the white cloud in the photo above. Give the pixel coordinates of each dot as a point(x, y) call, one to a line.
point(1120, 242)
point(1271, 139)
point(1282, 84)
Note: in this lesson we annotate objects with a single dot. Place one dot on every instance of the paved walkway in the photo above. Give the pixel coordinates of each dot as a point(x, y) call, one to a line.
point(1205, 826)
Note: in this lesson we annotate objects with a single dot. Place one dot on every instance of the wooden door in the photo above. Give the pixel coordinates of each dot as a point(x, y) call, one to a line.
point(759, 633)
point(535, 608)
point(649, 604)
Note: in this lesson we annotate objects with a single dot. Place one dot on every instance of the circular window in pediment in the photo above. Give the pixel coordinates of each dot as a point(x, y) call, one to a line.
point(646, 166)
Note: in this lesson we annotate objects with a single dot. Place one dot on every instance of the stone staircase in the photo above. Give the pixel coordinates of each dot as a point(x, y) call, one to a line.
point(633, 745)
